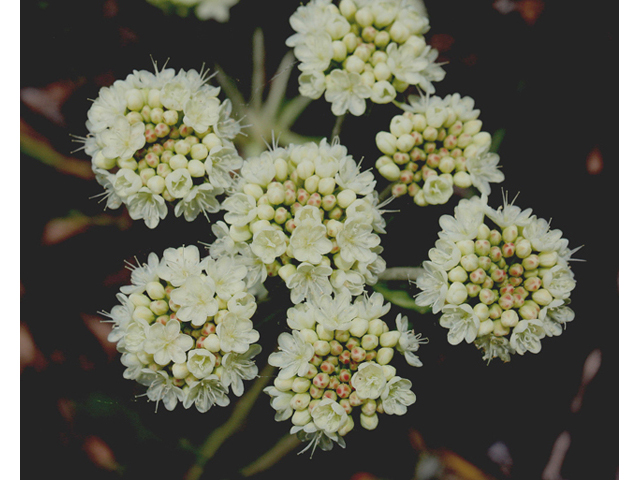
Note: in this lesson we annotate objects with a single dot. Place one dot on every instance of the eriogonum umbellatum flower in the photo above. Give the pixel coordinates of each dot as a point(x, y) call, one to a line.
point(362, 49)
point(308, 214)
point(335, 365)
point(436, 145)
point(500, 278)
point(162, 137)
point(182, 333)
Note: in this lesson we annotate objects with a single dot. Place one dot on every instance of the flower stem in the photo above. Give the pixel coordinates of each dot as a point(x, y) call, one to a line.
point(232, 425)
point(338, 126)
point(400, 273)
point(285, 445)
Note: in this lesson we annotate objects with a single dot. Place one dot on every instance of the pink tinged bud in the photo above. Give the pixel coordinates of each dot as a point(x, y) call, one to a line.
point(358, 354)
point(417, 155)
point(507, 289)
point(336, 213)
point(495, 237)
point(406, 176)
point(515, 281)
point(341, 336)
point(398, 190)
point(300, 401)
point(482, 247)
point(510, 233)
point(345, 357)
point(335, 347)
point(450, 141)
point(163, 319)
point(498, 275)
point(473, 290)
point(344, 403)
point(487, 296)
point(352, 343)
point(330, 394)
point(344, 376)
point(508, 250)
point(328, 202)
point(150, 135)
point(506, 301)
point(531, 262)
point(334, 382)
point(401, 158)
point(499, 330)
point(528, 312)
point(321, 380)
point(516, 270)
point(495, 254)
point(327, 367)
point(495, 311)
point(532, 284)
point(518, 300)
point(371, 355)
point(152, 160)
point(433, 160)
point(302, 196)
point(478, 276)
point(312, 371)
point(413, 189)
point(354, 400)
point(521, 291)
point(316, 392)
point(290, 226)
point(484, 262)
point(315, 200)
point(369, 342)
point(369, 407)
point(162, 130)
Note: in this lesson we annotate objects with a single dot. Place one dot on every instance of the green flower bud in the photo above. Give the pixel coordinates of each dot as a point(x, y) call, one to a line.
point(385, 355)
point(369, 422)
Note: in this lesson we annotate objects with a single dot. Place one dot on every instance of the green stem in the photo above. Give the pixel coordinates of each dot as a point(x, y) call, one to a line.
point(338, 126)
point(232, 425)
point(283, 447)
point(257, 81)
point(400, 273)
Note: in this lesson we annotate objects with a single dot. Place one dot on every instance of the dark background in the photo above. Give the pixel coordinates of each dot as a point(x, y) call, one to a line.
point(541, 76)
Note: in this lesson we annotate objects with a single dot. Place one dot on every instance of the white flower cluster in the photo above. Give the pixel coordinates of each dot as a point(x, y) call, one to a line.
point(162, 137)
point(336, 359)
point(217, 10)
point(434, 145)
point(184, 329)
point(308, 214)
point(490, 283)
point(362, 49)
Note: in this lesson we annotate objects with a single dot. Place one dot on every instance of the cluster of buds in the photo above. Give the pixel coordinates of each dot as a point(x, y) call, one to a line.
point(217, 10)
point(158, 138)
point(335, 365)
point(503, 286)
point(435, 145)
point(362, 50)
point(184, 329)
point(309, 215)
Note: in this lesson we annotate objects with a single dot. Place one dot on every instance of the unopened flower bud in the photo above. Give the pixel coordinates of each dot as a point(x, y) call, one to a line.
point(458, 274)
point(369, 341)
point(486, 327)
point(462, 180)
point(300, 401)
point(482, 311)
point(487, 296)
point(155, 290)
point(321, 347)
point(369, 422)
point(466, 246)
point(212, 343)
point(346, 198)
point(499, 330)
point(542, 297)
point(301, 385)
point(457, 293)
point(482, 247)
point(389, 339)
point(469, 263)
point(531, 262)
point(301, 417)
point(548, 259)
point(385, 355)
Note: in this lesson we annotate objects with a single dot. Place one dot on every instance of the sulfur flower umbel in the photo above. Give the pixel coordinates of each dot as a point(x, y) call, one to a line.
point(159, 138)
point(184, 334)
point(435, 145)
point(335, 366)
point(360, 50)
point(217, 10)
point(308, 214)
point(500, 279)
